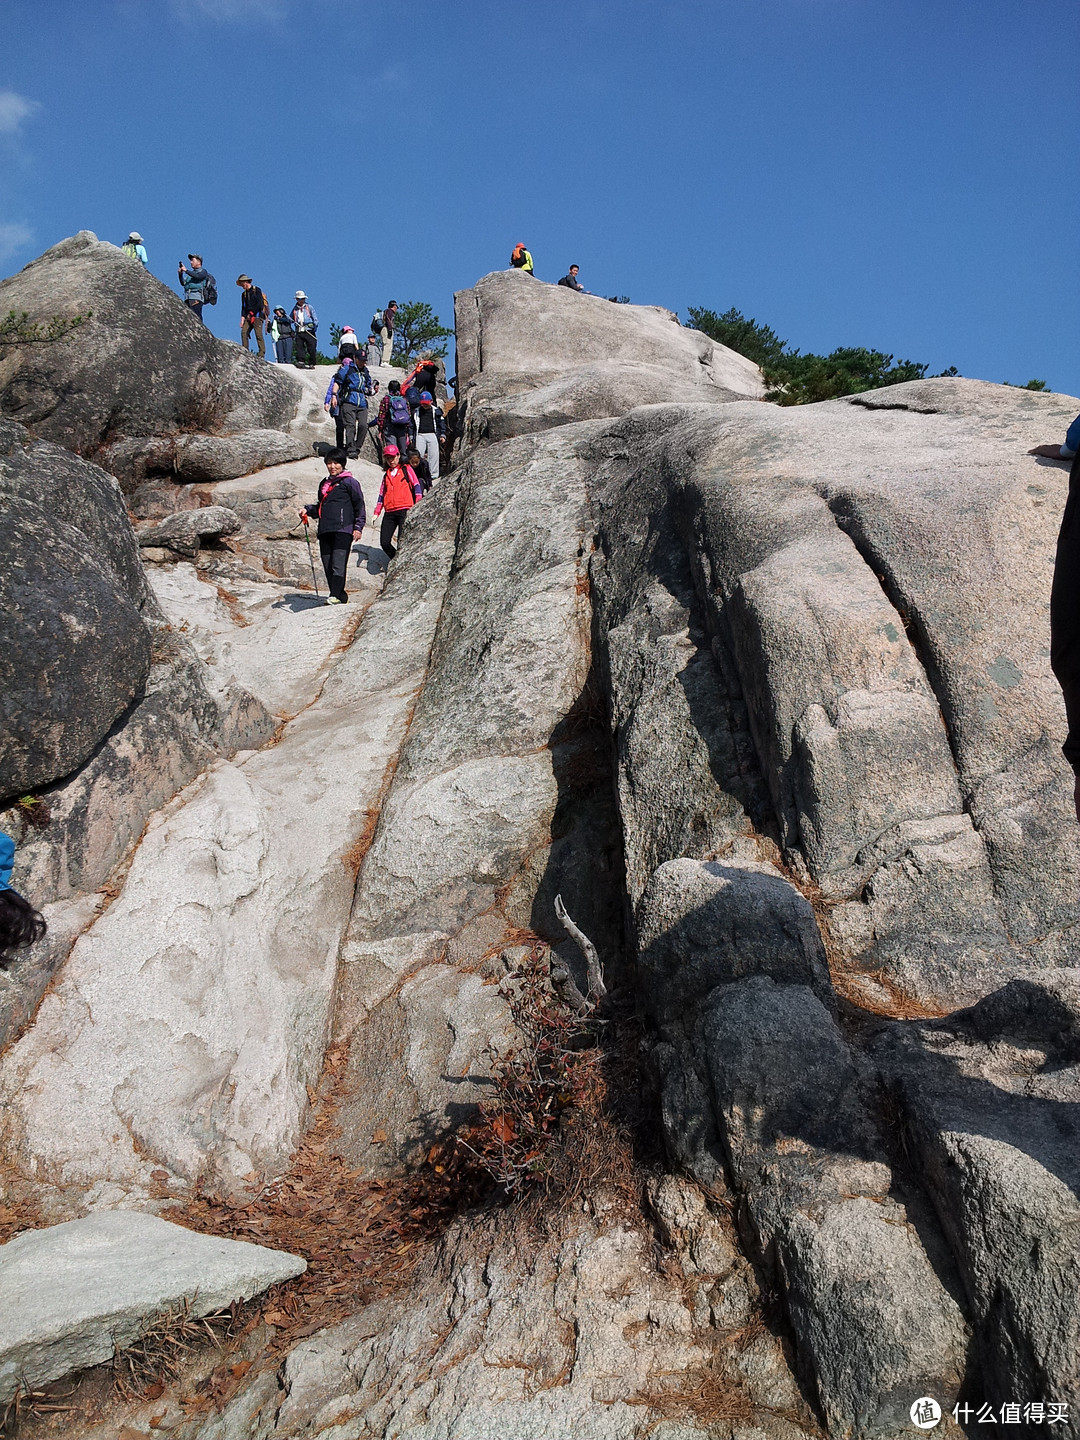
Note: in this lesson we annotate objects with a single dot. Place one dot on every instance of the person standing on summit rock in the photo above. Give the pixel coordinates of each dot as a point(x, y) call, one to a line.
point(383, 326)
point(194, 279)
point(307, 325)
point(133, 246)
point(254, 312)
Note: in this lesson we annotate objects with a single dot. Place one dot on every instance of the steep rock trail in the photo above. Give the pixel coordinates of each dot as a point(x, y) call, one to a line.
point(764, 694)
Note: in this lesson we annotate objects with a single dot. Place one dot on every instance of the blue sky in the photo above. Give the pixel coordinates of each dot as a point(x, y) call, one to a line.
point(901, 175)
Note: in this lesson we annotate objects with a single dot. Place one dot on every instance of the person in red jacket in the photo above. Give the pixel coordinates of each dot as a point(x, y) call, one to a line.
point(398, 493)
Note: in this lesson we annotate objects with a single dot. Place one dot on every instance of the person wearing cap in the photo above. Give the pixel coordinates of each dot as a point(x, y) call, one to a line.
point(520, 259)
point(346, 401)
point(430, 430)
point(134, 247)
point(194, 279)
point(20, 923)
point(307, 325)
point(349, 345)
point(398, 493)
point(254, 312)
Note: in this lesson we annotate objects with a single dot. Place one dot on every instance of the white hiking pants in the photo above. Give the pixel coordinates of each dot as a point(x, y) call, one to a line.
point(428, 446)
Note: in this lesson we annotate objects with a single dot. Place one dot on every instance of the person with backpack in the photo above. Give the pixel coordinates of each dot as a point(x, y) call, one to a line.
point(345, 399)
point(399, 492)
point(520, 259)
point(20, 923)
point(374, 348)
point(254, 310)
point(383, 326)
point(571, 282)
point(281, 332)
point(430, 430)
point(198, 285)
point(342, 516)
point(133, 246)
point(349, 345)
point(423, 376)
point(395, 419)
point(307, 324)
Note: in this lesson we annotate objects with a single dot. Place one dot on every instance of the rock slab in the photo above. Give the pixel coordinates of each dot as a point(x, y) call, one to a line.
point(73, 1294)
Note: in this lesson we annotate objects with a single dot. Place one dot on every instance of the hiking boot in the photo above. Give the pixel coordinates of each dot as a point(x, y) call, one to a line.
point(333, 600)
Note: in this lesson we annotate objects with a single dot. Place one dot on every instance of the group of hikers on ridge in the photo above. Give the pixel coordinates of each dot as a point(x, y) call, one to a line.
point(292, 331)
point(521, 259)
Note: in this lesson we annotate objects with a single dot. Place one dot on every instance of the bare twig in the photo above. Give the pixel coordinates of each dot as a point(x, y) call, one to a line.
point(597, 988)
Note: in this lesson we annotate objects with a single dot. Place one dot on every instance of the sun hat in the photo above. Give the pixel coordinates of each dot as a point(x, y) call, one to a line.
point(300, 295)
point(244, 280)
point(138, 238)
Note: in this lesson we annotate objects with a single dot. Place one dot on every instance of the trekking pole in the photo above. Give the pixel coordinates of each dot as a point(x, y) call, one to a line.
point(310, 556)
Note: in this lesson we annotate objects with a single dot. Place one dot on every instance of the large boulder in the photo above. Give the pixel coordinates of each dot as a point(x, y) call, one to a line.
point(531, 356)
point(143, 365)
point(74, 647)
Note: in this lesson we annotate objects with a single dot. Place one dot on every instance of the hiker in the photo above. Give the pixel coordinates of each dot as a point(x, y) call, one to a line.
point(520, 259)
point(424, 376)
point(374, 349)
point(430, 430)
point(342, 516)
point(20, 923)
point(570, 280)
point(281, 332)
point(349, 345)
point(134, 247)
point(398, 493)
point(196, 284)
point(420, 468)
point(254, 310)
point(346, 397)
point(1065, 451)
point(307, 325)
point(383, 326)
point(395, 419)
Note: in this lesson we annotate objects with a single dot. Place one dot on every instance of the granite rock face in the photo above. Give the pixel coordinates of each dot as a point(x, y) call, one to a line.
point(531, 356)
point(764, 695)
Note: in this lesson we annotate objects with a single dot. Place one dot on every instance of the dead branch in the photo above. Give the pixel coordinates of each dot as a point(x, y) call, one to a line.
point(595, 971)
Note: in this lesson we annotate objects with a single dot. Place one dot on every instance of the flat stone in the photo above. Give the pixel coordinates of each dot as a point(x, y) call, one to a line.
point(73, 1294)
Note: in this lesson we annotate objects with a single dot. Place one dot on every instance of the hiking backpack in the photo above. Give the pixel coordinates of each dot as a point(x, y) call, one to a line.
point(400, 414)
point(209, 291)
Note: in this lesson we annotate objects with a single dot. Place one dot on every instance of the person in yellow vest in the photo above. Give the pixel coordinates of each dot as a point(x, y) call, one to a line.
point(521, 259)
